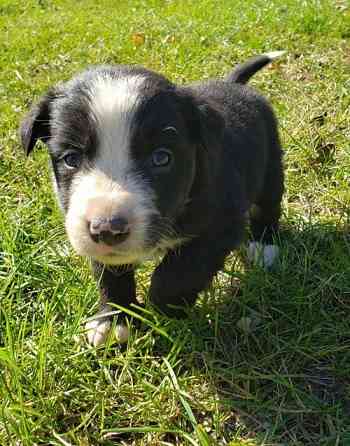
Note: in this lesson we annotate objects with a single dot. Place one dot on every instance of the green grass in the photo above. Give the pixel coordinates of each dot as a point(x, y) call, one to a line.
point(264, 358)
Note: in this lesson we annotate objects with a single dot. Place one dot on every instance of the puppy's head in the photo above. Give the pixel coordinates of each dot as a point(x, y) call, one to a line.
point(126, 147)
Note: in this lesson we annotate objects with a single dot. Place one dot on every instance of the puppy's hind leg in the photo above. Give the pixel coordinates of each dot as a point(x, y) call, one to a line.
point(264, 219)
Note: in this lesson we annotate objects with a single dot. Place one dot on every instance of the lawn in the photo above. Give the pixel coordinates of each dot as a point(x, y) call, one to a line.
point(264, 358)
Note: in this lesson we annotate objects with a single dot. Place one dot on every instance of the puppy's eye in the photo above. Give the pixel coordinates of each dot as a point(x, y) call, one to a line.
point(161, 157)
point(72, 160)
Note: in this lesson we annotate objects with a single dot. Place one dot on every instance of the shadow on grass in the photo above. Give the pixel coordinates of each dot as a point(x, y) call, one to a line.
point(274, 346)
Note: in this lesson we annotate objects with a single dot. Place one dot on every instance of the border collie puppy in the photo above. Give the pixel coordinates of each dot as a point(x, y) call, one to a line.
point(143, 167)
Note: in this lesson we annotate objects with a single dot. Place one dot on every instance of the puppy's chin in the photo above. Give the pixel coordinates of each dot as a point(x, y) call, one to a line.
point(138, 256)
point(129, 258)
point(108, 256)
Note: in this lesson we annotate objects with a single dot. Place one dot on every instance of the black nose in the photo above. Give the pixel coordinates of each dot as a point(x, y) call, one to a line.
point(110, 231)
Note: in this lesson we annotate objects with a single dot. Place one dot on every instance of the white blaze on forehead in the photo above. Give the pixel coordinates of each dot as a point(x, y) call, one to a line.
point(114, 103)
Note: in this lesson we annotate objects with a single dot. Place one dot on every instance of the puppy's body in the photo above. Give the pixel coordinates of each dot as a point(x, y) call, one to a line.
point(250, 141)
point(142, 166)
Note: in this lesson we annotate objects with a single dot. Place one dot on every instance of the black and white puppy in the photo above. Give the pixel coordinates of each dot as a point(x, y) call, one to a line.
point(142, 166)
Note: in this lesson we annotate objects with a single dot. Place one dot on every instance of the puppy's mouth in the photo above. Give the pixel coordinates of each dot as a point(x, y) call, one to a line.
point(123, 253)
point(109, 244)
point(117, 249)
point(109, 238)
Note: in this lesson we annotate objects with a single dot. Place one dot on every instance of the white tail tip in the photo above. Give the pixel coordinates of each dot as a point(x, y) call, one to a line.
point(275, 54)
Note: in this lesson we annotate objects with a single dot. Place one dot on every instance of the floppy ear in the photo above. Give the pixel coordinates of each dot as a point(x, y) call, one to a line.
point(206, 126)
point(207, 132)
point(210, 125)
point(36, 124)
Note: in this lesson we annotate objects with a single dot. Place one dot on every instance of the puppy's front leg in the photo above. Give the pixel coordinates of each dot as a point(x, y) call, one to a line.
point(181, 275)
point(117, 285)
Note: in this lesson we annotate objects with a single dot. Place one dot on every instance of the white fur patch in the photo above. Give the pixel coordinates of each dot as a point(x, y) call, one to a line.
point(112, 185)
point(113, 104)
point(121, 333)
point(262, 255)
point(275, 54)
point(98, 329)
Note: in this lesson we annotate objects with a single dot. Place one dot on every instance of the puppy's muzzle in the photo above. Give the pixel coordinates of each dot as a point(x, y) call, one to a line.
point(110, 231)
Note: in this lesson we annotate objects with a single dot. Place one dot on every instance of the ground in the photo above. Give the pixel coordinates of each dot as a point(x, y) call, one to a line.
point(264, 358)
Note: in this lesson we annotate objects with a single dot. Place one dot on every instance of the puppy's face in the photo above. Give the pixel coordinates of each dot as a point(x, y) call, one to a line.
point(123, 148)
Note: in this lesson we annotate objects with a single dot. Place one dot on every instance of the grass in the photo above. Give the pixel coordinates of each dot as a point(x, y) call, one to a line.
point(264, 358)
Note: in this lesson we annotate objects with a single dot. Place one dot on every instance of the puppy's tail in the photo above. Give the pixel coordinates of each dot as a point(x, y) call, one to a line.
point(243, 72)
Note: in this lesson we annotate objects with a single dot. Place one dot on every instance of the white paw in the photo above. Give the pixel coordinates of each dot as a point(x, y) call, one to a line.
point(262, 255)
point(121, 333)
point(98, 329)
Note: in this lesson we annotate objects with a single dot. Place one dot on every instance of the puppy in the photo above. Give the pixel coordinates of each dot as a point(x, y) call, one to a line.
point(143, 167)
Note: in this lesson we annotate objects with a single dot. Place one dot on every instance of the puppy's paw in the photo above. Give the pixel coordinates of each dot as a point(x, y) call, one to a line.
point(262, 255)
point(98, 329)
point(121, 333)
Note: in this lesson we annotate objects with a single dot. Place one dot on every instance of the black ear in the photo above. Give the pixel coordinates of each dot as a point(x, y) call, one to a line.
point(210, 125)
point(36, 125)
point(208, 129)
point(205, 121)
point(206, 126)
